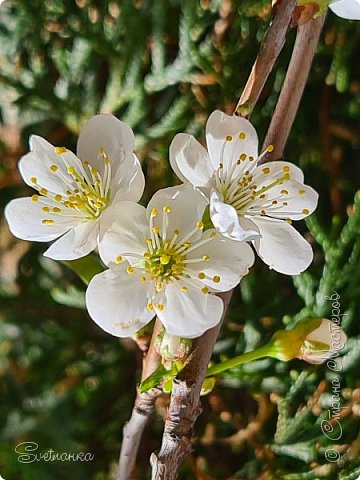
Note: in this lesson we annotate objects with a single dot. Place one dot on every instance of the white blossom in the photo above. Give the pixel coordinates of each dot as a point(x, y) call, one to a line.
point(74, 193)
point(248, 201)
point(162, 262)
point(349, 9)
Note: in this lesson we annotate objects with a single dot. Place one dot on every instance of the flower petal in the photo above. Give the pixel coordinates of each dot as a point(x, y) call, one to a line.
point(227, 221)
point(123, 229)
point(349, 9)
point(117, 301)
point(35, 166)
point(282, 247)
point(107, 132)
point(292, 200)
point(190, 160)
point(187, 208)
point(25, 219)
point(229, 261)
point(129, 181)
point(77, 243)
point(226, 140)
point(265, 174)
point(189, 314)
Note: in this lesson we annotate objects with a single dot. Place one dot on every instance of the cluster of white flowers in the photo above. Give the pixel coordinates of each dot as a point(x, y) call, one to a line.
point(164, 260)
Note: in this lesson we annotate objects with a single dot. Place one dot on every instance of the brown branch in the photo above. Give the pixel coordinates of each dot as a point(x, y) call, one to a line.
point(143, 409)
point(185, 406)
point(271, 47)
point(304, 50)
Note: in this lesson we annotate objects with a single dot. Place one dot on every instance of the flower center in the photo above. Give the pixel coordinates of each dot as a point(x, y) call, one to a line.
point(239, 189)
point(87, 194)
point(166, 260)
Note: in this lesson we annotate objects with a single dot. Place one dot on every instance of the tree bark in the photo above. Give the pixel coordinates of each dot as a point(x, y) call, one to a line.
point(293, 88)
point(185, 405)
point(142, 410)
point(270, 49)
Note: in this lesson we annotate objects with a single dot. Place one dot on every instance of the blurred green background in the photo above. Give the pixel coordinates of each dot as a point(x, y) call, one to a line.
point(163, 66)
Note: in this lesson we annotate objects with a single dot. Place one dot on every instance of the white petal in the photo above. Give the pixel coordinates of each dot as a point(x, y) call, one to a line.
point(189, 314)
point(36, 164)
point(218, 127)
point(129, 181)
point(349, 9)
point(276, 170)
point(230, 260)
point(190, 160)
point(187, 208)
point(123, 229)
point(292, 200)
point(227, 221)
point(25, 219)
point(117, 301)
point(282, 247)
point(107, 132)
point(77, 243)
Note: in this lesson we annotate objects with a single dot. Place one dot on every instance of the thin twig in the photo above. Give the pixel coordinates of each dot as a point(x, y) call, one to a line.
point(270, 49)
point(185, 403)
point(143, 409)
point(302, 56)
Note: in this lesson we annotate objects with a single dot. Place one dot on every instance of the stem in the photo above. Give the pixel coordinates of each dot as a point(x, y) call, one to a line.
point(261, 352)
point(271, 47)
point(143, 408)
point(185, 405)
point(302, 56)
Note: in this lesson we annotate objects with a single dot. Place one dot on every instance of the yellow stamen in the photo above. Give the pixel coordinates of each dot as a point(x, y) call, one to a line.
point(216, 279)
point(118, 259)
point(60, 150)
point(47, 222)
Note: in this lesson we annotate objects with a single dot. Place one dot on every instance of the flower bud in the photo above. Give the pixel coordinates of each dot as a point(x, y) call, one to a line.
point(172, 348)
point(314, 340)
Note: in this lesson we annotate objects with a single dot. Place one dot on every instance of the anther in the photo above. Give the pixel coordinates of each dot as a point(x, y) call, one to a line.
point(301, 192)
point(53, 168)
point(130, 270)
point(200, 225)
point(58, 198)
point(43, 191)
point(242, 135)
point(35, 198)
point(228, 138)
point(266, 170)
point(118, 259)
point(143, 279)
point(286, 169)
point(284, 192)
point(154, 212)
point(60, 150)
point(216, 279)
point(270, 148)
point(56, 209)
point(305, 211)
point(206, 258)
point(205, 290)
point(150, 307)
point(166, 209)
point(184, 289)
point(201, 275)
point(160, 307)
point(45, 209)
point(33, 180)
point(47, 222)
point(156, 230)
